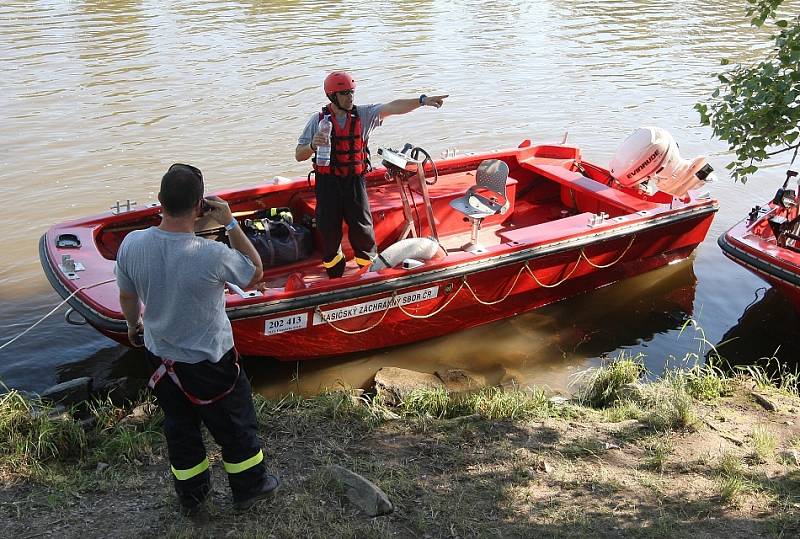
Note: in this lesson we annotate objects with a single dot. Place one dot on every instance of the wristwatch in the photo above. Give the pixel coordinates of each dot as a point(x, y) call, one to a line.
point(422, 99)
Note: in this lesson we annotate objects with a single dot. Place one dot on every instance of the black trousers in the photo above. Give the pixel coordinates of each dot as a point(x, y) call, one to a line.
point(230, 420)
point(344, 198)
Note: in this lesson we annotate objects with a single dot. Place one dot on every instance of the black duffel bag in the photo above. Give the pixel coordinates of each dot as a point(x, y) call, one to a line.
point(279, 242)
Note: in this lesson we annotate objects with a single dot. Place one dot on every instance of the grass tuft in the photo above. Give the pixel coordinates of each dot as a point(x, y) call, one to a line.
point(670, 406)
point(764, 444)
point(706, 382)
point(657, 452)
point(497, 403)
point(623, 410)
point(730, 479)
point(774, 375)
point(32, 436)
point(603, 386)
point(430, 403)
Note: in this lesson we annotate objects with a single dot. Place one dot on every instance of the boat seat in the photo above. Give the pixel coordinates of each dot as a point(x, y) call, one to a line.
point(487, 197)
point(575, 181)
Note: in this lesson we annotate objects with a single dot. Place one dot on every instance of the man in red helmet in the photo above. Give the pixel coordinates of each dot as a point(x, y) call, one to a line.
point(341, 193)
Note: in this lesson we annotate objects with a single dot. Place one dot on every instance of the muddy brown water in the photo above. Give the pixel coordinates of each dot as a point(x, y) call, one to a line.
point(98, 98)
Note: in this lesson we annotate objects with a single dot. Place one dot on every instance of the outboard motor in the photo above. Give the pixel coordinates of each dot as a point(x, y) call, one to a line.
point(650, 161)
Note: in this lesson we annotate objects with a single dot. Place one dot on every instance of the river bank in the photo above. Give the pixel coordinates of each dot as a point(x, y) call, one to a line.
point(696, 453)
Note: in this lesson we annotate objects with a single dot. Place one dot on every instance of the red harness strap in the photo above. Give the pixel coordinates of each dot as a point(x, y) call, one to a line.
point(167, 367)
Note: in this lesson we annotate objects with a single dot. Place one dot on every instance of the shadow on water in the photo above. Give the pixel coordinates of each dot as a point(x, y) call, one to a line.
point(766, 328)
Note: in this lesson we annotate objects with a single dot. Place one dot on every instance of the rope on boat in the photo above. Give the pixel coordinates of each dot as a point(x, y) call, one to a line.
point(438, 309)
point(603, 266)
point(464, 283)
point(508, 292)
point(57, 307)
point(543, 285)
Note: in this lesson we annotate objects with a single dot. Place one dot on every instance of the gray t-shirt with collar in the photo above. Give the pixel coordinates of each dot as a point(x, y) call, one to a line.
point(181, 278)
point(369, 115)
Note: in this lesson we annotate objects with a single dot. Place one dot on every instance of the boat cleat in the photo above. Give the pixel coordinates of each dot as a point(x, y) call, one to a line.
point(119, 208)
point(70, 267)
point(597, 219)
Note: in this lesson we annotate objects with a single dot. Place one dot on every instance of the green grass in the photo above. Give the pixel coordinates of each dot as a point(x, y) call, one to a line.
point(490, 403)
point(731, 481)
point(431, 403)
point(774, 375)
point(764, 444)
point(602, 386)
point(32, 438)
point(657, 451)
point(623, 410)
point(670, 406)
point(496, 403)
point(706, 382)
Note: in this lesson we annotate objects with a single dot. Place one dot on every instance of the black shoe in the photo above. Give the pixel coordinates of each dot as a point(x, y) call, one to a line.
point(265, 493)
point(194, 505)
point(197, 512)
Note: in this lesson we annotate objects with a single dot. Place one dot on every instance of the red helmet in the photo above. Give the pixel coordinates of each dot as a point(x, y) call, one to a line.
point(338, 81)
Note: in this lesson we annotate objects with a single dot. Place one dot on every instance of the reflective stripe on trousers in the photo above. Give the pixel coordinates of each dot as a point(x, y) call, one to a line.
point(240, 467)
point(183, 475)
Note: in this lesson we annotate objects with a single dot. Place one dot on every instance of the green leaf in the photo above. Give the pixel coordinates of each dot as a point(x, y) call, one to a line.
point(781, 24)
point(724, 61)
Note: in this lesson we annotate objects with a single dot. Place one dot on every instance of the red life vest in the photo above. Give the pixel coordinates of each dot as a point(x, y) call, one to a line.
point(349, 152)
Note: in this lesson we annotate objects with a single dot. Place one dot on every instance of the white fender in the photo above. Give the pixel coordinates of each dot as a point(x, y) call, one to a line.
point(416, 248)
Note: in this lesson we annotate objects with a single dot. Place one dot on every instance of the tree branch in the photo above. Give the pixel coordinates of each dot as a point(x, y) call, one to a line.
point(786, 149)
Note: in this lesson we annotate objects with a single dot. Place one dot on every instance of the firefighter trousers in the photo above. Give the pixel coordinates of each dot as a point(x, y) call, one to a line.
point(344, 198)
point(231, 421)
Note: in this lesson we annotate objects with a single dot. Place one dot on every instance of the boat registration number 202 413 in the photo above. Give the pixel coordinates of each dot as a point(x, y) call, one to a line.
point(294, 322)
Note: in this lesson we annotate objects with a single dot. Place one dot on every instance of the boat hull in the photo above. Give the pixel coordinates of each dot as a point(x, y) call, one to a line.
point(435, 307)
point(566, 232)
point(778, 266)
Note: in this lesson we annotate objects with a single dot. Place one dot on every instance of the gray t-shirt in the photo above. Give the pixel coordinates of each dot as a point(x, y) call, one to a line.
point(369, 121)
point(180, 278)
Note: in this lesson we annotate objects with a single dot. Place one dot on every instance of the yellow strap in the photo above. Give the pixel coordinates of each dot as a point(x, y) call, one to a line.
point(245, 464)
point(336, 259)
point(183, 475)
point(363, 261)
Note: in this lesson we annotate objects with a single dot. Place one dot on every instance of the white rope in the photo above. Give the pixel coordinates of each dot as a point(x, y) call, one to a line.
point(57, 307)
point(553, 285)
point(465, 283)
point(438, 309)
point(508, 292)
point(604, 266)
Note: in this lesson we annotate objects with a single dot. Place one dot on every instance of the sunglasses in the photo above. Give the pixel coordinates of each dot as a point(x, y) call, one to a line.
point(196, 171)
point(346, 92)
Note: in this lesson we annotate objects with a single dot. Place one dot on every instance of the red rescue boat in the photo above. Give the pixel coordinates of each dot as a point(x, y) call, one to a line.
point(464, 241)
point(767, 242)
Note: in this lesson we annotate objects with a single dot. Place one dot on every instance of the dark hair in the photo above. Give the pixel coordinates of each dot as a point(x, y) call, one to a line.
point(181, 189)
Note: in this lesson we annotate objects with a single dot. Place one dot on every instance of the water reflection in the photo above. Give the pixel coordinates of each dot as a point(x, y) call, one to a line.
point(748, 341)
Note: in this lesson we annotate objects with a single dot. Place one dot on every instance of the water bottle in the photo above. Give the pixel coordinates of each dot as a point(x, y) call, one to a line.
point(324, 151)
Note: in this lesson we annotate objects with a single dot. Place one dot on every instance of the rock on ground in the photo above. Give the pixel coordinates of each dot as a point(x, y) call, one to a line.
point(362, 492)
point(69, 392)
point(393, 384)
